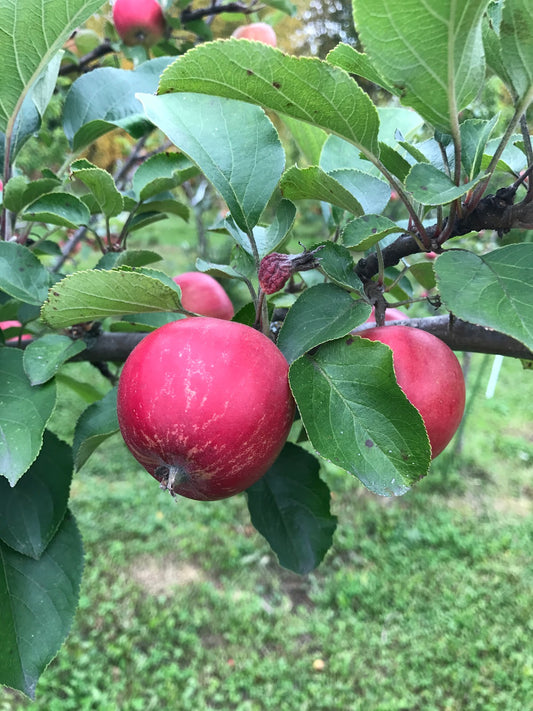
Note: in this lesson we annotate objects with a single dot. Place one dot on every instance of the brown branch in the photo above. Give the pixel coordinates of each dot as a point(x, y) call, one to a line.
point(189, 15)
point(493, 212)
point(83, 64)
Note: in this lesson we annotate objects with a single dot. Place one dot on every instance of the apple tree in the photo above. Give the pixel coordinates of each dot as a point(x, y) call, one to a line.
point(431, 171)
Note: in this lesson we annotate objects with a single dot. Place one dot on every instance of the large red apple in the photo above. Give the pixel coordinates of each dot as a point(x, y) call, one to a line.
point(139, 21)
point(430, 375)
point(259, 31)
point(205, 406)
point(203, 295)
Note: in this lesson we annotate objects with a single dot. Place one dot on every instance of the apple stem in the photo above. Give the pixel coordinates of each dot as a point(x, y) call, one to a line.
point(170, 476)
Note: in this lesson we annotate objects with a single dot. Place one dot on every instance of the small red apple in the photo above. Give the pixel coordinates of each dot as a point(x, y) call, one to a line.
point(203, 295)
point(259, 31)
point(205, 406)
point(430, 255)
point(430, 375)
point(14, 324)
point(139, 21)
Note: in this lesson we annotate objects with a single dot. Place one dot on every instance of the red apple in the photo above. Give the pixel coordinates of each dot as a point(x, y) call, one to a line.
point(203, 295)
point(139, 21)
point(205, 406)
point(430, 255)
point(259, 31)
point(430, 375)
point(14, 324)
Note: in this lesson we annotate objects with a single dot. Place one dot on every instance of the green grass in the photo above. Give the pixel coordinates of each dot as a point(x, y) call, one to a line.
point(424, 603)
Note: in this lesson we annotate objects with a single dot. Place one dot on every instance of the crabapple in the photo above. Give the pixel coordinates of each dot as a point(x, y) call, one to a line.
point(139, 21)
point(205, 406)
point(430, 375)
point(203, 295)
point(259, 31)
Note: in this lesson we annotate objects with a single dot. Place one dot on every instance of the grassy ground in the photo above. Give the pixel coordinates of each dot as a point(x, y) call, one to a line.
point(423, 604)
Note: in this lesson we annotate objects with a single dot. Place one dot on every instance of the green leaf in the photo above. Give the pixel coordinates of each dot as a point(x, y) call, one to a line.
point(365, 231)
point(357, 63)
point(303, 88)
point(38, 599)
point(431, 56)
point(18, 192)
point(337, 263)
point(322, 313)
point(516, 39)
point(31, 511)
point(104, 99)
point(95, 294)
point(24, 412)
point(224, 271)
point(494, 290)
point(95, 424)
point(235, 146)
point(430, 186)
point(160, 173)
point(289, 506)
point(314, 184)
point(372, 193)
point(357, 417)
point(130, 258)
point(169, 205)
point(101, 185)
point(28, 43)
point(475, 134)
point(424, 274)
point(63, 209)
point(22, 275)
point(44, 356)
point(309, 139)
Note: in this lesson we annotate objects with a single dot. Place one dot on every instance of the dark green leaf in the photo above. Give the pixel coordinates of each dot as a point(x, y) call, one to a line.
point(493, 290)
point(24, 412)
point(289, 506)
point(337, 263)
point(38, 599)
point(431, 186)
point(101, 185)
point(314, 184)
point(31, 511)
point(44, 356)
point(22, 275)
point(96, 423)
point(365, 231)
point(235, 146)
point(63, 209)
point(357, 417)
point(322, 313)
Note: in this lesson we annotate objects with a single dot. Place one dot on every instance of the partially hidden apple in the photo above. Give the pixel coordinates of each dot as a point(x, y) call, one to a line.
point(431, 377)
point(14, 324)
point(205, 406)
point(202, 294)
point(139, 21)
point(259, 31)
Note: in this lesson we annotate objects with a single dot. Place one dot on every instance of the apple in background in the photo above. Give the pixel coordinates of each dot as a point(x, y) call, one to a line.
point(139, 21)
point(205, 406)
point(1, 185)
point(430, 255)
point(259, 31)
point(431, 377)
point(14, 324)
point(203, 295)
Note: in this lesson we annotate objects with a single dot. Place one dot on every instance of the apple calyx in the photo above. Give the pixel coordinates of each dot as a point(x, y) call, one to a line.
point(168, 476)
point(276, 269)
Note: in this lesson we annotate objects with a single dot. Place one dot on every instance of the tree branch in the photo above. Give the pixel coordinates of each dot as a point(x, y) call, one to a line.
point(494, 212)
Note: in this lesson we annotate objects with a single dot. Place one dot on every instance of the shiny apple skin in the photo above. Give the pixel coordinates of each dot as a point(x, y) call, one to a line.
point(139, 21)
point(14, 324)
point(431, 377)
point(208, 398)
point(203, 295)
point(259, 31)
